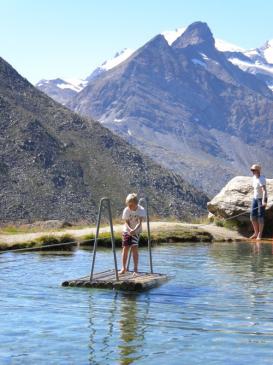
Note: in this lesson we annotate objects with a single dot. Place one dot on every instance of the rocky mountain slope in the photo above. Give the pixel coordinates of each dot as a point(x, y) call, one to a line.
point(55, 164)
point(186, 106)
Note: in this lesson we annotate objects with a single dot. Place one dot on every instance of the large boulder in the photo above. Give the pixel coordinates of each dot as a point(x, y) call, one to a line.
point(234, 201)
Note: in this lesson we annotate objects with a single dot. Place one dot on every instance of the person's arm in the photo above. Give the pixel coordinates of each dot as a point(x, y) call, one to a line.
point(127, 224)
point(137, 226)
point(264, 200)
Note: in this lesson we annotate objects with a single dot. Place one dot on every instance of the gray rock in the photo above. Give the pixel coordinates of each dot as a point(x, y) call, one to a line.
point(50, 224)
point(235, 199)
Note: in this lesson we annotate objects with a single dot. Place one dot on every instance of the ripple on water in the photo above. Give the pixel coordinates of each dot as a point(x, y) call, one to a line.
point(216, 309)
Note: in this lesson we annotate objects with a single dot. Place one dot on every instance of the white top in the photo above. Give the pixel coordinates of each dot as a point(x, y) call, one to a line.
point(258, 182)
point(133, 217)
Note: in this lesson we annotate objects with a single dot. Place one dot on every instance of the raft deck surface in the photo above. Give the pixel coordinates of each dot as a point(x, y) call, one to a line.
point(107, 280)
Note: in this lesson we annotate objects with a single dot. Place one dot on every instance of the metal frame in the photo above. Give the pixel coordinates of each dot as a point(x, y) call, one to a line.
point(107, 200)
point(149, 237)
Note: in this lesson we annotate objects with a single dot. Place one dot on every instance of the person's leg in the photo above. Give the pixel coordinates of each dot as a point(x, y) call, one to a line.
point(135, 257)
point(254, 218)
point(255, 225)
point(261, 212)
point(261, 228)
point(124, 259)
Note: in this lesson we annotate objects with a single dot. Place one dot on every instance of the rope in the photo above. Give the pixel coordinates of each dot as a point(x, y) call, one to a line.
point(240, 214)
point(39, 248)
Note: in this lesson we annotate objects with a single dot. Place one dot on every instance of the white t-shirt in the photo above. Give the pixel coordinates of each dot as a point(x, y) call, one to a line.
point(258, 182)
point(133, 217)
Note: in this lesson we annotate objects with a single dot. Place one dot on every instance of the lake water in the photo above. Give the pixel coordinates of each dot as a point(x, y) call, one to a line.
point(216, 309)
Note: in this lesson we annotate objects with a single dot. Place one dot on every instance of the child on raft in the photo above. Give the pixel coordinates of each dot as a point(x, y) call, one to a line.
point(133, 216)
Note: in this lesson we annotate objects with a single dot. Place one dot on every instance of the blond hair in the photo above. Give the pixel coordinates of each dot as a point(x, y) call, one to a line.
point(131, 198)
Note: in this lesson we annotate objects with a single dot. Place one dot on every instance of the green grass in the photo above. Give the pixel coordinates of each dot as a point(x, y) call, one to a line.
point(228, 224)
point(41, 242)
point(166, 236)
point(200, 220)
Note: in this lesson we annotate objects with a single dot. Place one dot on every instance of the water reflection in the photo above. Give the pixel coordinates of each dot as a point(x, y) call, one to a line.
point(124, 323)
point(253, 257)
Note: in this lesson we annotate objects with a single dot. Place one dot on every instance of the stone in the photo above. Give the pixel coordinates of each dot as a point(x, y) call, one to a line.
point(50, 224)
point(235, 199)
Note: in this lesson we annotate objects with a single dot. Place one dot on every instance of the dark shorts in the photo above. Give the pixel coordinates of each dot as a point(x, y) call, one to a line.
point(128, 241)
point(257, 210)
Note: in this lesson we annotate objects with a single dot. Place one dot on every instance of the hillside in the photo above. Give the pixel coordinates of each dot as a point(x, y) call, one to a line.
point(56, 164)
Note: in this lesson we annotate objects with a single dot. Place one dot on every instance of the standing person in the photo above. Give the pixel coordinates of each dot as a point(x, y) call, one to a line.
point(133, 216)
point(259, 202)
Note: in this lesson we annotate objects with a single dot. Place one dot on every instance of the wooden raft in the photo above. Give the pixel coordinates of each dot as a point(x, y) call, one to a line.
point(107, 280)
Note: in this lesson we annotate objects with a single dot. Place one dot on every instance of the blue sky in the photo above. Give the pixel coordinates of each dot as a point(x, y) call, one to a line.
point(69, 38)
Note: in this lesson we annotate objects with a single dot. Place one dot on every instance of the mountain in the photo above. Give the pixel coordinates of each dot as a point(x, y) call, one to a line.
point(187, 107)
point(61, 90)
point(55, 164)
point(258, 61)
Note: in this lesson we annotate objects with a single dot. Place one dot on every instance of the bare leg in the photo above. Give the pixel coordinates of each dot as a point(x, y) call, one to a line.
point(261, 228)
point(124, 259)
point(135, 257)
point(255, 225)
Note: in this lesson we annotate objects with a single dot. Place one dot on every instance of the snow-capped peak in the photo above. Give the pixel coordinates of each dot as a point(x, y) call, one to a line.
point(223, 46)
point(172, 35)
point(72, 84)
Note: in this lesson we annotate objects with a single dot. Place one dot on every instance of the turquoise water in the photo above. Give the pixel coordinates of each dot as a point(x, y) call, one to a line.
point(216, 309)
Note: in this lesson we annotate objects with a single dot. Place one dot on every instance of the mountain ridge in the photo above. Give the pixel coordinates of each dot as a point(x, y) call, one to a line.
point(64, 96)
point(55, 164)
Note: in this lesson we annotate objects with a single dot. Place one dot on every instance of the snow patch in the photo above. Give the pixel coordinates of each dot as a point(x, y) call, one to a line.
point(117, 120)
point(172, 35)
point(69, 86)
point(268, 51)
point(72, 84)
point(111, 63)
point(118, 58)
point(224, 46)
point(198, 62)
point(244, 65)
point(204, 56)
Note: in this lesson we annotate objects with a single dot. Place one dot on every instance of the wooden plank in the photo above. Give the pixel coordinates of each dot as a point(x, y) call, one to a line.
point(107, 279)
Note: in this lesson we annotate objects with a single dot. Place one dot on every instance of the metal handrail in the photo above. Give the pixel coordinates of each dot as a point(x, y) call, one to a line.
point(107, 200)
point(149, 236)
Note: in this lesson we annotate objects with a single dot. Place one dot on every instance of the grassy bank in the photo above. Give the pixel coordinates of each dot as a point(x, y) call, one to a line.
point(170, 236)
point(41, 243)
point(175, 234)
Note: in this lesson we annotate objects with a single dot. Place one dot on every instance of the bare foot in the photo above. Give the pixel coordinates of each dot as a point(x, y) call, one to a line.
point(122, 271)
point(135, 273)
point(259, 237)
point(253, 237)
